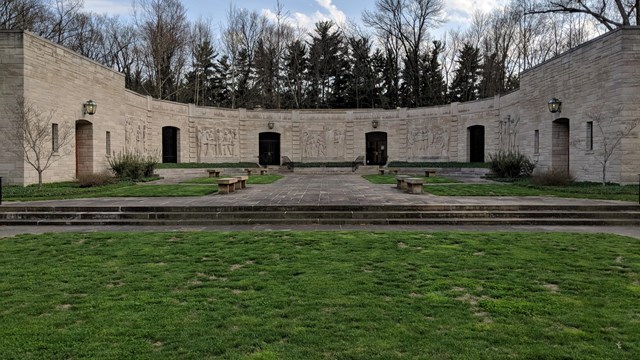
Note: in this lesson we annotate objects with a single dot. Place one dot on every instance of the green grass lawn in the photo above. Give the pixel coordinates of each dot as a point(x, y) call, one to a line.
point(320, 295)
point(580, 190)
point(71, 190)
point(391, 179)
point(253, 179)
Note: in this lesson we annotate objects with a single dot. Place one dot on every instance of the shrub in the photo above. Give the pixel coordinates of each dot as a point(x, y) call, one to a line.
point(510, 164)
point(133, 166)
point(95, 179)
point(551, 178)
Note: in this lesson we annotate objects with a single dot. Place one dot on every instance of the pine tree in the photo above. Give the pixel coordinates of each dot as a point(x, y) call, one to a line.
point(435, 88)
point(464, 86)
point(198, 85)
point(295, 74)
point(323, 58)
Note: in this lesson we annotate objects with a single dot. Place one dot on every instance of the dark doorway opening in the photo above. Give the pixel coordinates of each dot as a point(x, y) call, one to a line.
point(170, 141)
point(84, 147)
point(560, 145)
point(269, 148)
point(376, 148)
point(476, 143)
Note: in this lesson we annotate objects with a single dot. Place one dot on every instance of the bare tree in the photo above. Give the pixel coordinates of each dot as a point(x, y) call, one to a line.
point(164, 33)
point(34, 137)
point(408, 21)
point(610, 13)
point(22, 14)
point(608, 134)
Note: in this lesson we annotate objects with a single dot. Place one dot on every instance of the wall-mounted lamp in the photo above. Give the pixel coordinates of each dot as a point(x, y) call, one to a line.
point(555, 105)
point(375, 123)
point(89, 107)
point(271, 125)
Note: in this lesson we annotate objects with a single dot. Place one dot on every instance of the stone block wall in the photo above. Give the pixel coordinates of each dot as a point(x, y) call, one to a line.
point(601, 74)
point(11, 86)
point(59, 80)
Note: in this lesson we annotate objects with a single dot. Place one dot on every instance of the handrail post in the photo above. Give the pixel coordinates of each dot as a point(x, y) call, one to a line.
point(0, 190)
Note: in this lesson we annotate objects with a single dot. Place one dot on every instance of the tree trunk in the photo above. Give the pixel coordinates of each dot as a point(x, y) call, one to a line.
point(39, 178)
point(604, 174)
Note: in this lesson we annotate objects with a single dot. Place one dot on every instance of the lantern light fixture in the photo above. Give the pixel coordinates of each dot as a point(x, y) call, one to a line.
point(89, 107)
point(555, 105)
point(271, 125)
point(375, 123)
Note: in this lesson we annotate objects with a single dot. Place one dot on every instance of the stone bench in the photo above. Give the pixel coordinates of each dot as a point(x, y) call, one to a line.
point(414, 185)
point(381, 171)
point(400, 182)
point(430, 172)
point(226, 185)
point(263, 171)
point(213, 173)
point(248, 172)
point(242, 182)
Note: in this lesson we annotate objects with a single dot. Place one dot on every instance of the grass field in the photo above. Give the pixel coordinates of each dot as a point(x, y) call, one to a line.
point(320, 295)
point(391, 179)
point(71, 190)
point(578, 190)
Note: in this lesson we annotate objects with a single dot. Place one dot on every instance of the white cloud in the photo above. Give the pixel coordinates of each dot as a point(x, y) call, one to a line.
point(460, 11)
point(336, 15)
point(308, 21)
point(111, 7)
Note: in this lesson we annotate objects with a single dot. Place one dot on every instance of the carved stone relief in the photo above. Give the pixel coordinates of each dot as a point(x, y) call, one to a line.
point(135, 135)
point(217, 142)
point(314, 144)
point(323, 143)
point(429, 141)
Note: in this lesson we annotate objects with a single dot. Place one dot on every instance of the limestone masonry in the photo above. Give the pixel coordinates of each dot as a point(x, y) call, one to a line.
point(601, 76)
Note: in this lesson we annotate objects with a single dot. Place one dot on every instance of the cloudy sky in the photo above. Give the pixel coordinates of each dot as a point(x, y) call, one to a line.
point(302, 12)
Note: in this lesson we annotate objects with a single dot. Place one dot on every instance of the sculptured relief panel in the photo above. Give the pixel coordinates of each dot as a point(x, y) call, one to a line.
point(429, 141)
point(325, 143)
point(135, 135)
point(217, 142)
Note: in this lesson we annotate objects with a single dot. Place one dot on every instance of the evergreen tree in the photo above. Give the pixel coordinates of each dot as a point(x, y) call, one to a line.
point(391, 80)
point(378, 94)
point(222, 84)
point(464, 86)
point(266, 60)
point(198, 89)
point(435, 88)
point(362, 85)
point(295, 74)
point(324, 50)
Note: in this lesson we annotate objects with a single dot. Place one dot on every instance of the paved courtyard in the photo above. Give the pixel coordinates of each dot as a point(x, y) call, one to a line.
point(319, 190)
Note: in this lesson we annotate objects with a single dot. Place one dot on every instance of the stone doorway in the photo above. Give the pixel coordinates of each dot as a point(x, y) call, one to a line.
point(376, 148)
point(475, 142)
point(560, 145)
point(170, 144)
point(269, 148)
point(84, 147)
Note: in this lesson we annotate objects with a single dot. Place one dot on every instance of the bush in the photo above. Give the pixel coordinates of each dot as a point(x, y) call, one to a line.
point(510, 165)
point(99, 179)
point(552, 178)
point(133, 166)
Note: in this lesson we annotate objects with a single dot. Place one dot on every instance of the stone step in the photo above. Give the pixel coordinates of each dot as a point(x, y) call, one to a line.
point(318, 221)
point(323, 208)
point(316, 214)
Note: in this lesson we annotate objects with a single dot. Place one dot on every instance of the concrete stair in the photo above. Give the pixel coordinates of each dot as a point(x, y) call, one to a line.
point(586, 215)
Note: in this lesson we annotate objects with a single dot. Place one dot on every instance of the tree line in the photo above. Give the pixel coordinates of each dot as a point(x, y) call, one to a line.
point(390, 59)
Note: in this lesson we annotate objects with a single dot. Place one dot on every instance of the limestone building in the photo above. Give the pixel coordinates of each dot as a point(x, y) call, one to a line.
point(601, 76)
